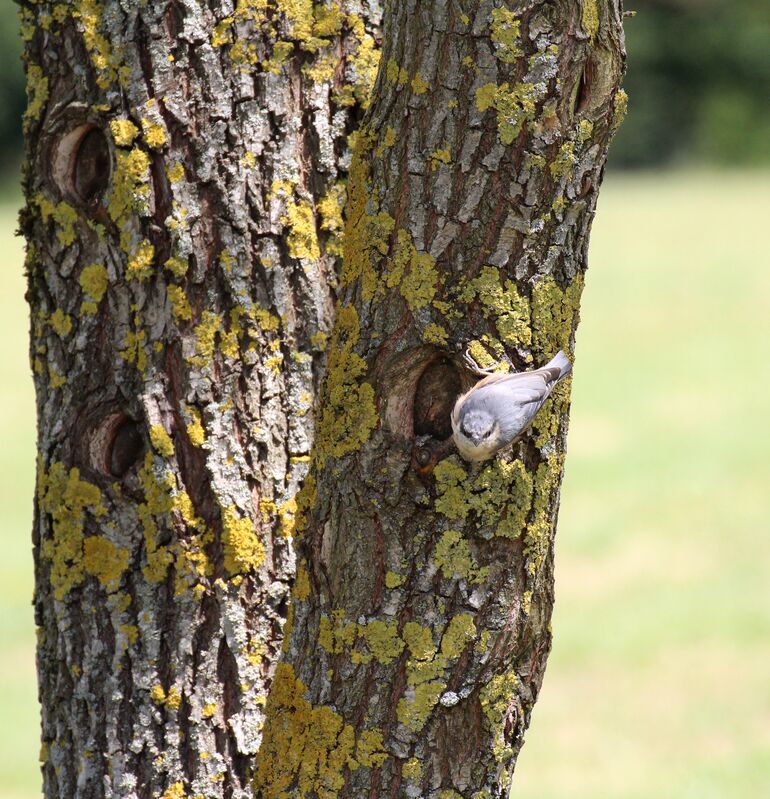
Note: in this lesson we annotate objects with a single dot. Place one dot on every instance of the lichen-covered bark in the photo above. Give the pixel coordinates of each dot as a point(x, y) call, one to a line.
point(184, 187)
point(420, 616)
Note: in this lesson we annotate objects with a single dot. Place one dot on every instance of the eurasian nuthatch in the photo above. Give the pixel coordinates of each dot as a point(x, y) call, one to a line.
point(499, 409)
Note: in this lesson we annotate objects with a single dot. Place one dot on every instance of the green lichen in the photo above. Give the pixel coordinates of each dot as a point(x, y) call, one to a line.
point(460, 631)
point(496, 698)
point(414, 710)
point(367, 232)
point(93, 281)
point(451, 495)
point(585, 130)
point(37, 93)
point(453, 557)
point(413, 272)
point(506, 29)
point(620, 109)
point(63, 214)
point(515, 106)
point(382, 640)
point(412, 770)
point(501, 496)
point(435, 334)
point(503, 304)
point(554, 315)
point(589, 17)
point(564, 164)
point(537, 539)
point(61, 323)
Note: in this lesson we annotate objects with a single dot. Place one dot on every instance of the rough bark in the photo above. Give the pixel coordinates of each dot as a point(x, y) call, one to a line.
point(420, 620)
point(183, 220)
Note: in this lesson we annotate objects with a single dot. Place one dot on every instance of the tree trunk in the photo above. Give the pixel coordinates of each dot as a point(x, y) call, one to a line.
point(184, 185)
point(420, 621)
point(183, 179)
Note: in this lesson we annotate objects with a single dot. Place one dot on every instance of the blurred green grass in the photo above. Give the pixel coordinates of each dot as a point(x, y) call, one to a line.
point(657, 685)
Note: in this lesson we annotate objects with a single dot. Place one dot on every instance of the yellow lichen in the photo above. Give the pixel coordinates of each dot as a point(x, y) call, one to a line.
point(303, 238)
point(130, 184)
point(180, 306)
point(105, 561)
point(90, 14)
point(537, 538)
point(154, 134)
point(177, 266)
point(393, 580)
point(307, 750)
point(419, 85)
point(161, 441)
point(412, 770)
point(175, 172)
point(195, 431)
point(244, 551)
point(348, 413)
point(451, 499)
point(496, 698)
point(124, 132)
point(302, 584)
point(174, 791)
point(564, 164)
point(414, 709)
point(554, 315)
point(67, 499)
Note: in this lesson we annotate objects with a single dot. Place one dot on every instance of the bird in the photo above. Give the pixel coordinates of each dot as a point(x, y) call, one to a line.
point(498, 410)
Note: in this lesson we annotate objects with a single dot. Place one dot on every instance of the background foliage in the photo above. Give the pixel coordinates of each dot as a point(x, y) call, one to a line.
point(698, 79)
point(657, 685)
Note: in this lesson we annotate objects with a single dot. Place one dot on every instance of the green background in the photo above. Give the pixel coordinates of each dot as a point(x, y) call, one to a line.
point(657, 687)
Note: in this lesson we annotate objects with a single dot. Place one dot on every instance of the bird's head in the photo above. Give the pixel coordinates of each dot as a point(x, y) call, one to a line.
point(479, 427)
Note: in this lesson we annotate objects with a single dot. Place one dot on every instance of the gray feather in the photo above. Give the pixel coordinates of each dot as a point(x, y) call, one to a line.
point(512, 400)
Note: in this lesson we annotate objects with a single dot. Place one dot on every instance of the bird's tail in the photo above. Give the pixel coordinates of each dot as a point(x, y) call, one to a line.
point(560, 362)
